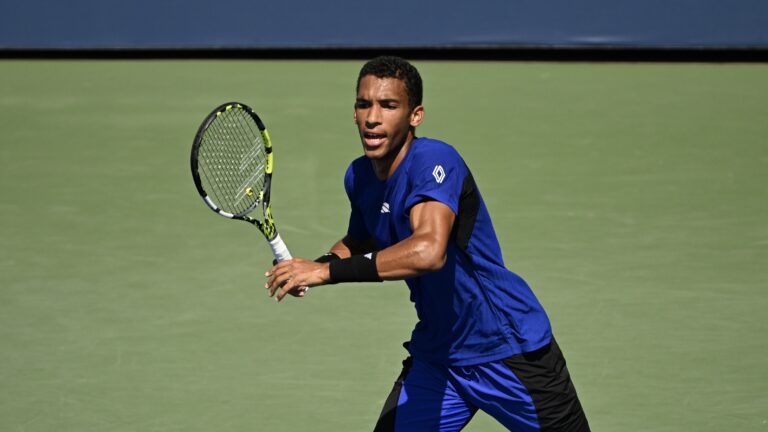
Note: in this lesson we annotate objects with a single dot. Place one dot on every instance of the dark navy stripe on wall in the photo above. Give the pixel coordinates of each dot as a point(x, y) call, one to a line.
point(197, 24)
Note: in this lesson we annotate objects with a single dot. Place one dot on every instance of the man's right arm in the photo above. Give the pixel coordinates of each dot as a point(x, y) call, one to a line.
point(311, 273)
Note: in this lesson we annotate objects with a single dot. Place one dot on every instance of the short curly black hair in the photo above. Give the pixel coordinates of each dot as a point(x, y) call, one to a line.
point(395, 67)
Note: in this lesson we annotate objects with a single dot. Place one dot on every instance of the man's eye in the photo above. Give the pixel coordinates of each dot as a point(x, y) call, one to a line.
point(362, 105)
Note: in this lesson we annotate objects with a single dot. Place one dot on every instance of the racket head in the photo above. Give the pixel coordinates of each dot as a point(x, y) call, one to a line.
point(232, 161)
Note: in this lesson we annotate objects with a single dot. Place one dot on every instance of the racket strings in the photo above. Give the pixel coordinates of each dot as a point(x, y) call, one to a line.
point(242, 142)
point(241, 180)
point(232, 162)
point(215, 161)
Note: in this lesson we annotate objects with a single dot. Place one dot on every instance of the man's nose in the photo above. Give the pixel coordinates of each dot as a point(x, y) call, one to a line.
point(374, 117)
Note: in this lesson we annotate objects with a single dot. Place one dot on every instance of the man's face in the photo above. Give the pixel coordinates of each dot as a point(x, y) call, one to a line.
point(383, 116)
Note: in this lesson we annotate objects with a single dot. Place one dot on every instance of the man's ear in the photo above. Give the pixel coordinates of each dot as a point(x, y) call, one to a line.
point(417, 116)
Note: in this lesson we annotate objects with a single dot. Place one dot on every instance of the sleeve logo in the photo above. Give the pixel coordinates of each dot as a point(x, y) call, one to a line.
point(438, 173)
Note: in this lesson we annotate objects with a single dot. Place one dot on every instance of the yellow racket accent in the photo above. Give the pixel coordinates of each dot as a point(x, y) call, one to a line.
point(268, 168)
point(268, 147)
point(268, 226)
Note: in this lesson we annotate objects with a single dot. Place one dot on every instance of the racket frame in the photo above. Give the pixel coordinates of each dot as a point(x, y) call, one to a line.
point(267, 225)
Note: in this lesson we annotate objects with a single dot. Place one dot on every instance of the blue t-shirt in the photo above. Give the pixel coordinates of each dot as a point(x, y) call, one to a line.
point(473, 310)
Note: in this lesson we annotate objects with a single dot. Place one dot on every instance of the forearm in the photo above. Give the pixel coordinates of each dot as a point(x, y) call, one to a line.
point(414, 256)
point(341, 250)
point(347, 247)
point(424, 251)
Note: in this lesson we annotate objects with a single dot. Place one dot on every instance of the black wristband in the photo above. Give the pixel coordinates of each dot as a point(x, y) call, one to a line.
point(357, 268)
point(330, 256)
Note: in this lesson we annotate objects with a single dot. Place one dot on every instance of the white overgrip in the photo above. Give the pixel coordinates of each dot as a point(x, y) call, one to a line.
point(279, 249)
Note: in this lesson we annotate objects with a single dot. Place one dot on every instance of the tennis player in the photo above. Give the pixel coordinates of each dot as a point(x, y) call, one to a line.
point(482, 341)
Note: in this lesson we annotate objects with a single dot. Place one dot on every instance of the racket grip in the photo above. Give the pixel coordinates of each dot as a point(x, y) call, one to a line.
point(279, 249)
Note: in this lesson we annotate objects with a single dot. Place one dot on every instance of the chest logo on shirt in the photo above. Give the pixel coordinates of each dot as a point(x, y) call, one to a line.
point(385, 207)
point(438, 173)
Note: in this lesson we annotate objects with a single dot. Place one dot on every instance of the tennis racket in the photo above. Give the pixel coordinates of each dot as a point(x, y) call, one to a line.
point(232, 162)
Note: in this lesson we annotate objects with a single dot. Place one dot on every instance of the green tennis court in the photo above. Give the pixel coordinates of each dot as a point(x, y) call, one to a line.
point(632, 197)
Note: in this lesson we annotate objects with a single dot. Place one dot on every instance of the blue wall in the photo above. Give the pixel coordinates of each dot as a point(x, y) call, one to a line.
point(393, 23)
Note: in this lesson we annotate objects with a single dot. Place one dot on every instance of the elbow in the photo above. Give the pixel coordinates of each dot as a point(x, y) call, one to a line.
point(437, 263)
point(429, 257)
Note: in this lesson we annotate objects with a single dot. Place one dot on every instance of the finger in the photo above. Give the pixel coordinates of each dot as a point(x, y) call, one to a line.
point(276, 274)
point(277, 284)
point(289, 287)
point(271, 269)
point(301, 291)
point(270, 281)
point(280, 295)
point(280, 281)
point(278, 266)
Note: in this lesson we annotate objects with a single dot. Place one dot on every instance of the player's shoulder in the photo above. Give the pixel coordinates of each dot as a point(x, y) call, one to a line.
point(359, 170)
point(426, 146)
point(360, 166)
point(428, 151)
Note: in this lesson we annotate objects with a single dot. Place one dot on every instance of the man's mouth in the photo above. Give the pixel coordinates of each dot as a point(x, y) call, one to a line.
point(373, 139)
